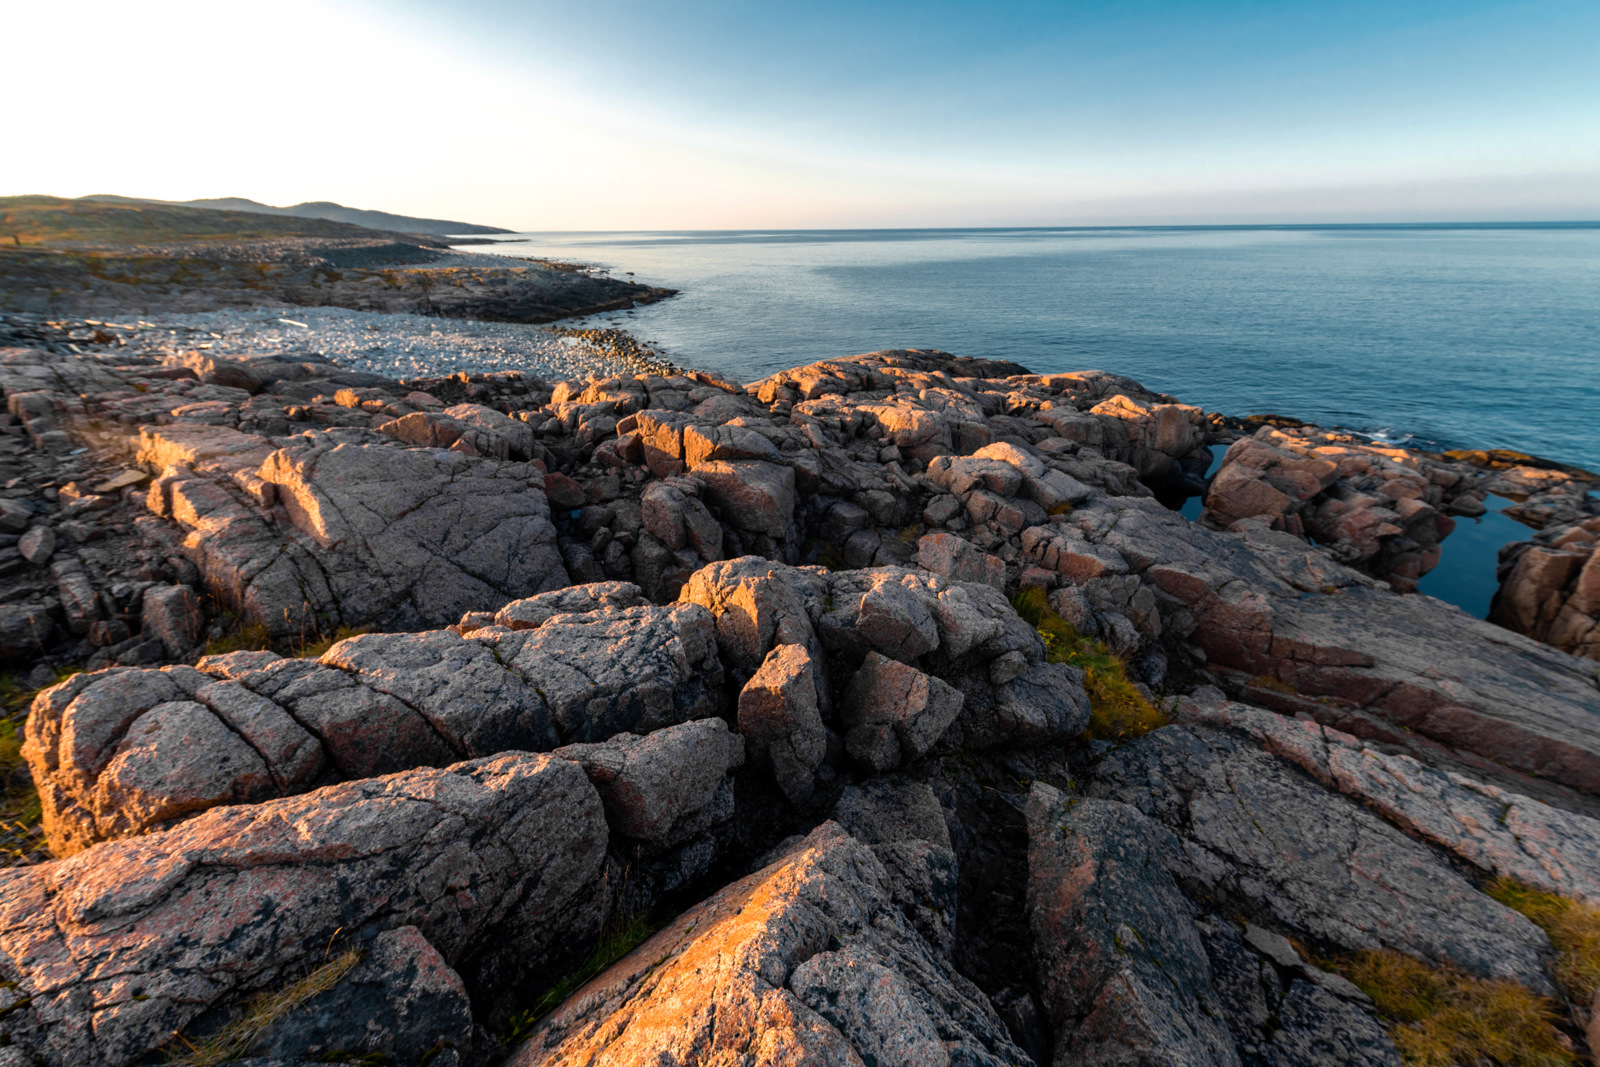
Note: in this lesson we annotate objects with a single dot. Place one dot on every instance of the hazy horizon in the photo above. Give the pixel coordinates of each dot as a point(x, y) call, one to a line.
point(718, 115)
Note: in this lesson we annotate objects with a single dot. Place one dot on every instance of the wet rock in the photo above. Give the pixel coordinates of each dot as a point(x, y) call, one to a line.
point(807, 960)
point(1124, 974)
point(494, 862)
point(1550, 588)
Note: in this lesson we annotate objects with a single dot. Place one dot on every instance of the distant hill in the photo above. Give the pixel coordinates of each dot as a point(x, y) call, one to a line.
point(318, 209)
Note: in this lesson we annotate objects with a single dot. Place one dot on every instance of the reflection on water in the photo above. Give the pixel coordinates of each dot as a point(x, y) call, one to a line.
point(1465, 575)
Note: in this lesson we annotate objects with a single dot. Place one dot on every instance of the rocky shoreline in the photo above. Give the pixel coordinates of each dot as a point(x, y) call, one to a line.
point(880, 711)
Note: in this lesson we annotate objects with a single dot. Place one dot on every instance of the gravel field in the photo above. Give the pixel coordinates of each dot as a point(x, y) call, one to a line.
point(400, 346)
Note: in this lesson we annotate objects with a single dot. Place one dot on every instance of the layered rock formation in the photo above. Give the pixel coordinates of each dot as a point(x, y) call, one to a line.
point(740, 664)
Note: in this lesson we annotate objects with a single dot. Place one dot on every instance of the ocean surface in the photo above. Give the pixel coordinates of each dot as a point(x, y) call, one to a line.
point(1472, 336)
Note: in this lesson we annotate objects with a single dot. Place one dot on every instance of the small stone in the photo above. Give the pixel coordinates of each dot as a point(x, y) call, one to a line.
point(37, 545)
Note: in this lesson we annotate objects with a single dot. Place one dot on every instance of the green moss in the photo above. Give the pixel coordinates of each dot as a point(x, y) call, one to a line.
point(1439, 1018)
point(1117, 710)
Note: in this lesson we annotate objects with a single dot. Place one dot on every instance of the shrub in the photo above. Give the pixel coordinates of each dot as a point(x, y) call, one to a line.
point(1439, 1018)
point(1117, 710)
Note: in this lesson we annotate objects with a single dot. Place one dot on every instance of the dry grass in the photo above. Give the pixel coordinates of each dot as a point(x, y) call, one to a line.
point(1117, 710)
point(1439, 1018)
point(235, 1040)
point(1573, 928)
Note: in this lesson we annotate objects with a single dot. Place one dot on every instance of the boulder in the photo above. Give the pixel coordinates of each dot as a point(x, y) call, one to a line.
point(174, 614)
point(806, 961)
point(25, 630)
point(656, 788)
point(530, 613)
point(757, 604)
point(37, 545)
point(493, 864)
point(367, 535)
point(1550, 588)
point(752, 495)
point(780, 721)
point(961, 560)
point(895, 713)
point(253, 725)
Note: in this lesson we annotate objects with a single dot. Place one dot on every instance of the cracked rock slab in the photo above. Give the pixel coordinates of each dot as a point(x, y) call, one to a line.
point(494, 862)
point(806, 961)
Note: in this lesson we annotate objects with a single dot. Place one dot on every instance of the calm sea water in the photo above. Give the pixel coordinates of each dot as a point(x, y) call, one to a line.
point(1450, 337)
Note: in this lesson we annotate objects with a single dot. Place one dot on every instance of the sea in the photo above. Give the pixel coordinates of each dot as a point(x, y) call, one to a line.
point(1429, 336)
point(1463, 336)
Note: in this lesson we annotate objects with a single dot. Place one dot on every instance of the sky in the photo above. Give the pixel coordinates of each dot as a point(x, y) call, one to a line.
point(711, 114)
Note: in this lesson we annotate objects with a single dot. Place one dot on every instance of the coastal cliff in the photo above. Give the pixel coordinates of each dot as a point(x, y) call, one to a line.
point(881, 708)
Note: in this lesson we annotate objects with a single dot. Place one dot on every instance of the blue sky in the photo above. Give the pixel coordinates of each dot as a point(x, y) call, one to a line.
point(712, 114)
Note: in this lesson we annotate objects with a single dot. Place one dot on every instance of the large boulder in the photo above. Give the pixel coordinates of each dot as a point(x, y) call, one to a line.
point(494, 863)
point(806, 961)
point(1550, 588)
point(322, 534)
point(780, 719)
point(126, 751)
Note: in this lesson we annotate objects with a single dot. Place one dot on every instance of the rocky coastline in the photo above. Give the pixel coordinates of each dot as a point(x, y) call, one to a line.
point(882, 711)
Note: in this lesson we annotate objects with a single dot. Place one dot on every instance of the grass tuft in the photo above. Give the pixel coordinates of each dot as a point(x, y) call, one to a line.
point(1439, 1018)
point(1572, 926)
point(614, 945)
point(235, 1040)
point(1117, 710)
point(316, 649)
point(251, 637)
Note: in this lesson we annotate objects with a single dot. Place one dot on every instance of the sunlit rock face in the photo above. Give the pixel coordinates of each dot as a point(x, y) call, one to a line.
point(831, 675)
